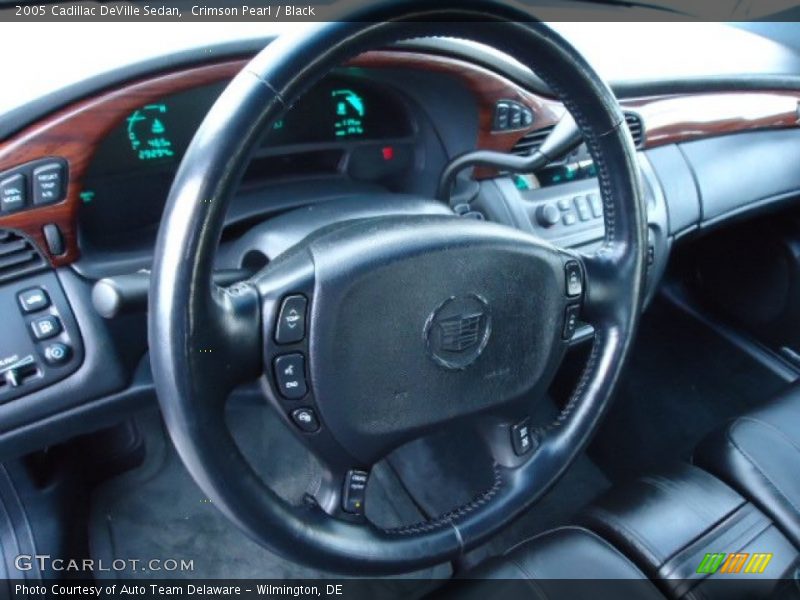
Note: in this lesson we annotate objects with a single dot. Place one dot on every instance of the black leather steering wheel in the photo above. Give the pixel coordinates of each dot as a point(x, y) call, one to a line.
point(413, 323)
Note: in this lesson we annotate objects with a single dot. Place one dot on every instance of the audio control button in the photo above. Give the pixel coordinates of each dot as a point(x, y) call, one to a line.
point(290, 374)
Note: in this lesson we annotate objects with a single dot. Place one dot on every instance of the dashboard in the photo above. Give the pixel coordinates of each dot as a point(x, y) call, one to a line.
point(346, 125)
point(82, 189)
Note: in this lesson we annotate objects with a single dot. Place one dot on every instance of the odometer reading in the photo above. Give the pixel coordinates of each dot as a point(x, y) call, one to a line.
point(147, 133)
point(350, 111)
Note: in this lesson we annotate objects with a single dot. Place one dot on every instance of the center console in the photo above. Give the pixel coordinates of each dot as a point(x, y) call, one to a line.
point(570, 214)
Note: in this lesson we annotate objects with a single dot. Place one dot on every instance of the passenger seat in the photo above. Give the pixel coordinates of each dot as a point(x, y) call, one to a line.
point(694, 536)
point(758, 454)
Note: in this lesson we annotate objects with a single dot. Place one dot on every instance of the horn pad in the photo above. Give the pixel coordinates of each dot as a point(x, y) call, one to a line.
point(417, 321)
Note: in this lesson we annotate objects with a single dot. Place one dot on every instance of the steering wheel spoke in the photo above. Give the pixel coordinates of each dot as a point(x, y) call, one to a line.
point(600, 295)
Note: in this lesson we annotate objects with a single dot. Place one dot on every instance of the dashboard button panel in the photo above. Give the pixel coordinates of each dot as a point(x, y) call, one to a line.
point(510, 115)
point(40, 343)
point(33, 184)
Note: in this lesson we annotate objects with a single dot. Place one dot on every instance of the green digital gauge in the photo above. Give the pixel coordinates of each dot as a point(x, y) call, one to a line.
point(350, 111)
point(147, 133)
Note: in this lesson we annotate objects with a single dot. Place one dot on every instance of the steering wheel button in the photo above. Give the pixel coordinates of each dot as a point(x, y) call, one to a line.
point(574, 278)
point(521, 438)
point(290, 373)
point(355, 490)
point(571, 321)
point(305, 419)
point(291, 327)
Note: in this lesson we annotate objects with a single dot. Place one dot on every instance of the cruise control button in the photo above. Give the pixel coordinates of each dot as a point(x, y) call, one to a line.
point(305, 419)
point(573, 275)
point(48, 183)
point(45, 327)
point(33, 299)
point(291, 327)
point(13, 194)
point(290, 373)
point(355, 491)
point(57, 354)
point(571, 321)
point(521, 438)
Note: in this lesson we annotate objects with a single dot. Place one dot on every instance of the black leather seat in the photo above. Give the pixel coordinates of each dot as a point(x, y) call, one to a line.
point(758, 454)
point(669, 523)
point(569, 562)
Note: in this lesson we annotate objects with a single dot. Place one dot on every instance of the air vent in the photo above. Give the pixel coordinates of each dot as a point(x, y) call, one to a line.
point(18, 256)
point(636, 128)
point(529, 143)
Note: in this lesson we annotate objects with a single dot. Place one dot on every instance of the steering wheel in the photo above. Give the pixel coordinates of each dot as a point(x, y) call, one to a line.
point(408, 323)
